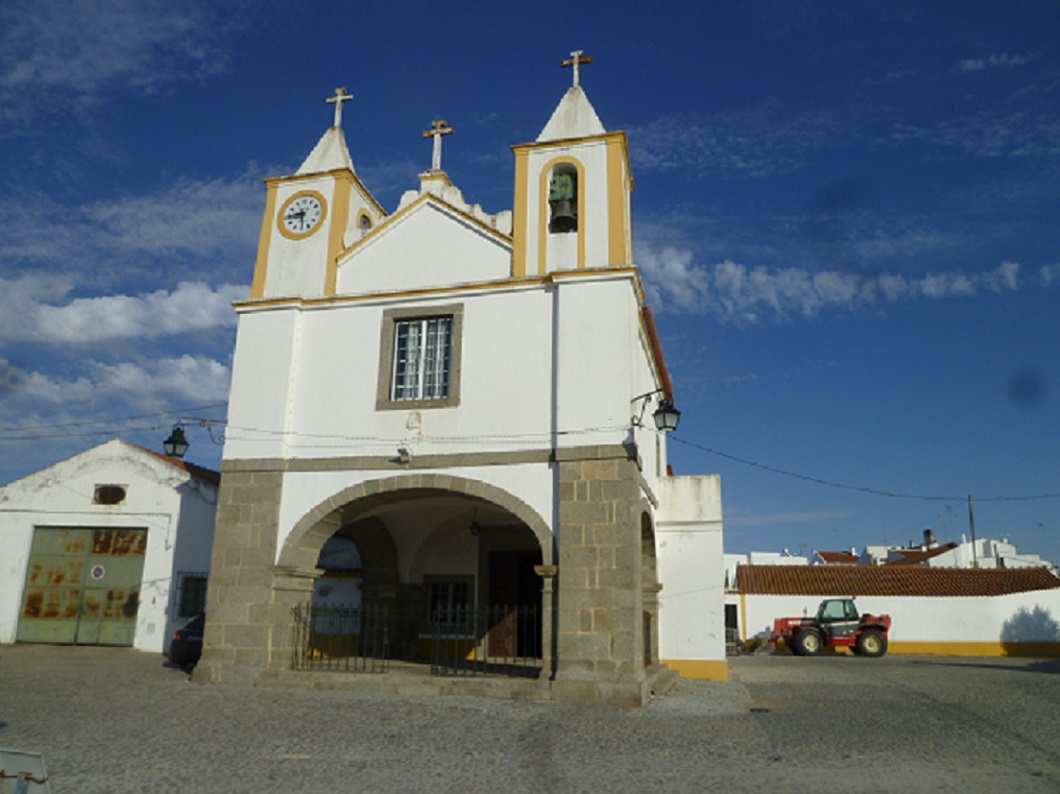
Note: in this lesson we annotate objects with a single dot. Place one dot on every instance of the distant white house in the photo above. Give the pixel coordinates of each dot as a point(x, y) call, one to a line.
point(108, 547)
point(982, 553)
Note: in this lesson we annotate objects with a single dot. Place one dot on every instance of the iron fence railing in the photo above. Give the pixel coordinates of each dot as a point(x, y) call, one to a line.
point(457, 641)
point(345, 639)
point(495, 640)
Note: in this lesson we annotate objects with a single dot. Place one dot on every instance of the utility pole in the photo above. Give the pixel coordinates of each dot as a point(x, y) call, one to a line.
point(971, 525)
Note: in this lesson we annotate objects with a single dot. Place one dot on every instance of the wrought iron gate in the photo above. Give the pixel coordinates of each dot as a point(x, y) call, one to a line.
point(463, 641)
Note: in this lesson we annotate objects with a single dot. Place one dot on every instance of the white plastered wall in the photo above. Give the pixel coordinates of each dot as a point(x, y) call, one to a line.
point(688, 537)
point(411, 249)
point(306, 377)
point(1018, 617)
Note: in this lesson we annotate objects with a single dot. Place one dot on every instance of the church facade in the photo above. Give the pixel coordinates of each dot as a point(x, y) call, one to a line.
point(465, 401)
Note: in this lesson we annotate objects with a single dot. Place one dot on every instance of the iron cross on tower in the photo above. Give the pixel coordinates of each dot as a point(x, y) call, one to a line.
point(437, 130)
point(577, 57)
point(339, 97)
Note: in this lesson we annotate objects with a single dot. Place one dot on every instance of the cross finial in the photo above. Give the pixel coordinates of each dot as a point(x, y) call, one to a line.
point(437, 130)
point(577, 57)
point(339, 97)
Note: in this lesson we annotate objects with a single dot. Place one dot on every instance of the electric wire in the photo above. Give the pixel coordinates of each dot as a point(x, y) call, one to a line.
point(343, 441)
point(858, 488)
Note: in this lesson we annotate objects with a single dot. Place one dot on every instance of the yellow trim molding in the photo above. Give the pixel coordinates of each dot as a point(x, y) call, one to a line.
point(482, 286)
point(619, 247)
point(337, 232)
point(520, 213)
point(700, 669)
point(1034, 649)
point(261, 265)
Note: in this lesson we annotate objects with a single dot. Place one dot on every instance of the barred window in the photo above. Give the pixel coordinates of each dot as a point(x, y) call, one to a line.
point(419, 358)
point(191, 594)
point(422, 352)
point(449, 603)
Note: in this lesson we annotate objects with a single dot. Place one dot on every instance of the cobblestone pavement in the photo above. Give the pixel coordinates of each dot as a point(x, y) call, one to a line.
point(117, 720)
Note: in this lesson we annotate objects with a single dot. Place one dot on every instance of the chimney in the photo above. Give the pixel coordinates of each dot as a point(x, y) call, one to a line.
point(929, 538)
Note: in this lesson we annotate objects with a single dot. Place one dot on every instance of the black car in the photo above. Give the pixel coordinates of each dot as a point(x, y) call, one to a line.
point(186, 647)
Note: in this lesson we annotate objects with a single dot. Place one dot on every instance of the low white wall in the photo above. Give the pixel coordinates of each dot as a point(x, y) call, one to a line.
point(691, 569)
point(990, 625)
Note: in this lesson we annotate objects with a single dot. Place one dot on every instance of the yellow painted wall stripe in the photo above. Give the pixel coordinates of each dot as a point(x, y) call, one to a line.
point(618, 244)
point(1031, 649)
point(261, 266)
point(340, 216)
point(521, 220)
point(700, 669)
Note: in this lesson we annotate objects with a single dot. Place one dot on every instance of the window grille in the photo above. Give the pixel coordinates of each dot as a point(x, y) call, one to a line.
point(422, 353)
point(448, 604)
point(191, 594)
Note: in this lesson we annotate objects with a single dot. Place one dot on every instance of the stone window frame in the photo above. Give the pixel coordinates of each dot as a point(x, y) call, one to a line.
point(391, 318)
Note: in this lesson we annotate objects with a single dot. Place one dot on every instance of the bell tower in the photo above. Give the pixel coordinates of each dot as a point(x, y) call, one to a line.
point(311, 217)
point(572, 189)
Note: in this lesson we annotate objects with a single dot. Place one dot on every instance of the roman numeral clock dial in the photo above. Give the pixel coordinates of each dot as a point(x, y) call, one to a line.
point(301, 214)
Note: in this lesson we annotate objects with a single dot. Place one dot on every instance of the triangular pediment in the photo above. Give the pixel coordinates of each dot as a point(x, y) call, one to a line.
point(428, 244)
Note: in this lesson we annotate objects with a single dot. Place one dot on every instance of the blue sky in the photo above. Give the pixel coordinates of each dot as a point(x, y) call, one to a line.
point(845, 215)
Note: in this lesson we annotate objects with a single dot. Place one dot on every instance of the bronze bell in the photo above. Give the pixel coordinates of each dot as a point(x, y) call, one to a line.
point(563, 216)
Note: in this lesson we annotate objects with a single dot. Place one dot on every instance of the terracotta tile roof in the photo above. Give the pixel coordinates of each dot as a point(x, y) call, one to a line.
point(896, 580)
point(199, 472)
point(918, 556)
point(838, 557)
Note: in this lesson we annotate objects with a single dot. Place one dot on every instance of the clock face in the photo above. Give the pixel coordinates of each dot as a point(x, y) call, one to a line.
point(301, 214)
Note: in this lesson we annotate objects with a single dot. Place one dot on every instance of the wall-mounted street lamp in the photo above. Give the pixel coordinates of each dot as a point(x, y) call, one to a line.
point(176, 446)
point(666, 416)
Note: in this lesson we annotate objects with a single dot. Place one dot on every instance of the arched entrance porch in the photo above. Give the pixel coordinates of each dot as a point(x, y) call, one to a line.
point(450, 567)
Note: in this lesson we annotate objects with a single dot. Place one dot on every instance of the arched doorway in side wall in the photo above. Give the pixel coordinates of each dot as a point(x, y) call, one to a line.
point(649, 578)
point(453, 573)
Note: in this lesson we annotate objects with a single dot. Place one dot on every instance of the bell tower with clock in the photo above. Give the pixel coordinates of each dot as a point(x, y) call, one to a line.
point(311, 217)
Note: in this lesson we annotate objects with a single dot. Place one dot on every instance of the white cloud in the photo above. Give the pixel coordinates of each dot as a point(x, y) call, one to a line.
point(1002, 61)
point(61, 54)
point(1050, 275)
point(184, 379)
point(189, 227)
point(145, 386)
point(740, 294)
point(756, 141)
point(28, 312)
point(198, 217)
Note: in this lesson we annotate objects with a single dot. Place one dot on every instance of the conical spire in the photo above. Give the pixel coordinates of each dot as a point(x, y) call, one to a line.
point(574, 117)
point(330, 152)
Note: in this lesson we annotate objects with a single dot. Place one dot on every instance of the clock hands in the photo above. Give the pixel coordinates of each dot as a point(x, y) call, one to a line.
point(299, 216)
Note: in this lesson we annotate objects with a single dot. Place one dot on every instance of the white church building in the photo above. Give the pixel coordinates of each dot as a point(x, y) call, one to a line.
point(464, 403)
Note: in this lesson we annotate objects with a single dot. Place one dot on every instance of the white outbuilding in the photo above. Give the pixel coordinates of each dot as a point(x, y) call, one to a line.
point(108, 547)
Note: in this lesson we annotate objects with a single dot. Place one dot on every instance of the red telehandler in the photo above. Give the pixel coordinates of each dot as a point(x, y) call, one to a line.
point(836, 625)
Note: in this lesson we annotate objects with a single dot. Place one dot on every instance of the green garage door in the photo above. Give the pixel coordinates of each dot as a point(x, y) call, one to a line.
point(83, 586)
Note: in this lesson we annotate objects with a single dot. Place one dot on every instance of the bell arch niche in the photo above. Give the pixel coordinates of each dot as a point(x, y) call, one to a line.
point(563, 196)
